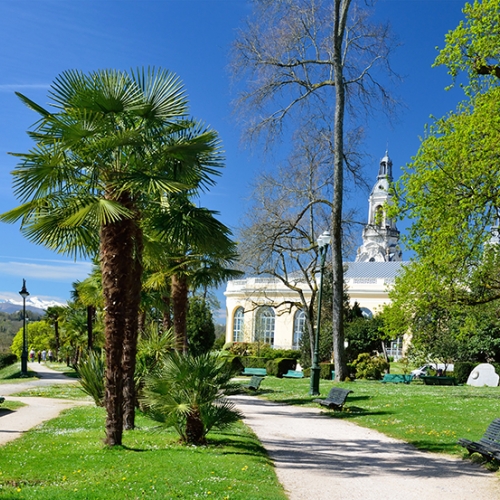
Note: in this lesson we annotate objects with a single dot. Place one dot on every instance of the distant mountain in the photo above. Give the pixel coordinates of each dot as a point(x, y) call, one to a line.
point(33, 304)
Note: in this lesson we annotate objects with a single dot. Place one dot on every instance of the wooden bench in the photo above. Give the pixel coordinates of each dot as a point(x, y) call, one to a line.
point(254, 383)
point(262, 372)
point(293, 374)
point(489, 445)
point(396, 378)
point(335, 399)
point(428, 380)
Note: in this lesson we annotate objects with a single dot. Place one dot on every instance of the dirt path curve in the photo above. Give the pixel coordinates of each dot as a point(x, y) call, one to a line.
point(38, 410)
point(321, 458)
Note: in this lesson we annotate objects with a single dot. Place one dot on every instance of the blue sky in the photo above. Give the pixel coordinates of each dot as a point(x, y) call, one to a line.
point(41, 38)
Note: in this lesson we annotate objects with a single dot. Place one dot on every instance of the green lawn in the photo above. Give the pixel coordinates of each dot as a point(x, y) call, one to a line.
point(429, 417)
point(65, 458)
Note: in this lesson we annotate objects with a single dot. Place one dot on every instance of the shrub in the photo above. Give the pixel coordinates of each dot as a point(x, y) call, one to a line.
point(326, 370)
point(91, 369)
point(188, 393)
point(253, 362)
point(7, 360)
point(462, 370)
point(279, 366)
point(369, 367)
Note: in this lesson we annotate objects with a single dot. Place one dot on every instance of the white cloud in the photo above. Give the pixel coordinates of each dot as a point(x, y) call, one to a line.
point(49, 269)
point(13, 87)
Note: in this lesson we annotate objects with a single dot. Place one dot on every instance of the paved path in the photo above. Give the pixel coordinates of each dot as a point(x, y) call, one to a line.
point(38, 410)
point(317, 457)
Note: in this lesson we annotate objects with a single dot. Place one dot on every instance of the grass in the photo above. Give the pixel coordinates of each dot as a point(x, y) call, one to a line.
point(431, 418)
point(12, 373)
point(65, 458)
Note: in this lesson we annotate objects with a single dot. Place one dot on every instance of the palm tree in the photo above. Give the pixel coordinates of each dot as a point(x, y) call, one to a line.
point(104, 156)
point(88, 293)
point(196, 241)
point(188, 393)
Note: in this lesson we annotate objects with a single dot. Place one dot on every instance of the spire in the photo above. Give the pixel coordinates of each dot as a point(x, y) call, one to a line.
point(385, 168)
point(380, 236)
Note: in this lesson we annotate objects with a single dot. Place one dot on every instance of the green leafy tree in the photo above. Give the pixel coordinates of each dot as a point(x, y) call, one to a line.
point(200, 326)
point(450, 191)
point(102, 157)
point(40, 337)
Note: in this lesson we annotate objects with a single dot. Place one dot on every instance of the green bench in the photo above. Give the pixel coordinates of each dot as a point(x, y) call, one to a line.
point(293, 374)
point(262, 372)
point(254, 383)
point(489, 445)
point(434, 380)
point(396, 378)
point(335, 399)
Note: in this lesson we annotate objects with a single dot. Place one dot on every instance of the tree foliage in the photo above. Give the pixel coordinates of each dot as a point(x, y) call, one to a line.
point(451, 193)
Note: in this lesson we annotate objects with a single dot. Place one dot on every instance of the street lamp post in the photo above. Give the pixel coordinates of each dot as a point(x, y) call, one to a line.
point(24, 354)
point(323, 243)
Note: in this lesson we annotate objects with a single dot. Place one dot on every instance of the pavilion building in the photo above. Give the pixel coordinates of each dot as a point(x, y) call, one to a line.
point(253, 309)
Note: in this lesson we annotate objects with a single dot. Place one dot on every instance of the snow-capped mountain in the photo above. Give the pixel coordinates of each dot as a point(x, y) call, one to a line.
point(33, 303)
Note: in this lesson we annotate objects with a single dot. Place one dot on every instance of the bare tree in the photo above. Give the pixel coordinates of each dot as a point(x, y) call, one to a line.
point(301, 56)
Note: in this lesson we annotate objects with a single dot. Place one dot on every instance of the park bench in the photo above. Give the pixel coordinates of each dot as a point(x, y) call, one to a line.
point(293, 374)
point(254, 383)
point(397, 378)
point(489, 445)
point(335, 399)
point(428, 380)
point(262, 372)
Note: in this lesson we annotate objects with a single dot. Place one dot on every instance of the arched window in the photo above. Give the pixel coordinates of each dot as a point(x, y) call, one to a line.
point(238, 325)
point(264, 325)
point(379, 216)
point(299, 323)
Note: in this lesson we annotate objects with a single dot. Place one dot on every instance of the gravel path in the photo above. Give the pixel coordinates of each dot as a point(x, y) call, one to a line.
point(38, 410)
point(317, 457)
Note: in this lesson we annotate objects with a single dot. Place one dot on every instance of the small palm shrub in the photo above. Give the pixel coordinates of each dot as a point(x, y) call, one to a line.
point(90, 368)
point(152, 347)
point(188, 392)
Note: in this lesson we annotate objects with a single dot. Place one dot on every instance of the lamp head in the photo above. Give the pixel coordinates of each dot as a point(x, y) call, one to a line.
point(24, 293)
point(324, 239)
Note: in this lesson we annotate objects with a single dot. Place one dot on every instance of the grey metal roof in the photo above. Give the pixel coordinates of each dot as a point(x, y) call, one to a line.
point(386, 270)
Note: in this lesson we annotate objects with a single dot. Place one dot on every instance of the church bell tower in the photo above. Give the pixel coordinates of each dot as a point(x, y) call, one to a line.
point(380, 235)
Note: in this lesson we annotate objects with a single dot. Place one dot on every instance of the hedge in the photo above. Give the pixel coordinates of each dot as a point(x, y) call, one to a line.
point(280, 366)
point(325, 371)
point(7, 360)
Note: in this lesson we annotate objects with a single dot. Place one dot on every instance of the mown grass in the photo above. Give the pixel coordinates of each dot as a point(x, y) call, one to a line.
point(12, 373)
point(65, 458)
point(429, 417)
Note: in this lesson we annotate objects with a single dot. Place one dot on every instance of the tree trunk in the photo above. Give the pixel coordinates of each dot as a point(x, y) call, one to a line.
point(341, 9)
point(195, 430)
point(131, 333)
point(180, 304)
point(116, 262)
point(90, 327)
point(167, 316)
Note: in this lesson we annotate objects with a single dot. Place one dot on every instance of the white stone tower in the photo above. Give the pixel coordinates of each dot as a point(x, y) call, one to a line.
point(380, 235)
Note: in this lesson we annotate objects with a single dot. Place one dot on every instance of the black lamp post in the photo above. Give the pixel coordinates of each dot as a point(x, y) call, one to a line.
point(323, 242)
point(24, 355)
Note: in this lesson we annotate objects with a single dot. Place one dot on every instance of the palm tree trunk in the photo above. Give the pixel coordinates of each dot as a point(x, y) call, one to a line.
point(90, 327)
point(179, 305)
point(116, 261)
point(131, 333)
